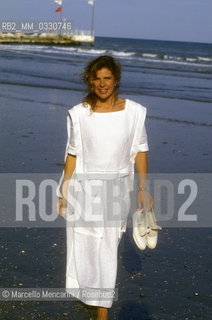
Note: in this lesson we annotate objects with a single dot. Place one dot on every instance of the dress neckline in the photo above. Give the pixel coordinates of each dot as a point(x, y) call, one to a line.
point(125, 107)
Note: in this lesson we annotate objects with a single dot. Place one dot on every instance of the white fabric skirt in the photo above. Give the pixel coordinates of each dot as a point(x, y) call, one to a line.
point(97, 217)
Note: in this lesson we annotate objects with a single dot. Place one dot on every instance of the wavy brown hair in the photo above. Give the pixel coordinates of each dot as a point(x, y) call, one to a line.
point(90, 73)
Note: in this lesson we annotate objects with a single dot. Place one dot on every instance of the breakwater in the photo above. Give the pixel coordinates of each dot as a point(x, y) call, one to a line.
point(46, 38)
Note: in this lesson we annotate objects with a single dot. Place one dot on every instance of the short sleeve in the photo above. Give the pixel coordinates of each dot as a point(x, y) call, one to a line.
point(143, 143)
point(70, 148)
point(140, 143)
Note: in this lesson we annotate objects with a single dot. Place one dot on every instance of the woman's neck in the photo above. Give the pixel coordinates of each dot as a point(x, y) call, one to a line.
point(120, 105)
point(109, 103)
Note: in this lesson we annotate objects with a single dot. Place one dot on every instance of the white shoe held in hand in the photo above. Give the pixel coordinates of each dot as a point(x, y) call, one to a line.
point(152, 236)
point(145, 229)
point(139, 229)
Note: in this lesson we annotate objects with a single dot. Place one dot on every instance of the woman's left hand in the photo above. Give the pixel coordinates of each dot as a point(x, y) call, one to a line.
point(144, 200)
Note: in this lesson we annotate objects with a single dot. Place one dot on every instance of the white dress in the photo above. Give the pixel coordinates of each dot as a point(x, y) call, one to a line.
point(105, 145)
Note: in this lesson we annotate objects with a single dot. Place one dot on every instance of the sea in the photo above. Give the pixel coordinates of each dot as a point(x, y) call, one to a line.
point(181, 70)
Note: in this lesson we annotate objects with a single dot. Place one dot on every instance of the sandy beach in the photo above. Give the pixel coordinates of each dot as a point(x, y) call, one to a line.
point(170, 282)
point(185, 141)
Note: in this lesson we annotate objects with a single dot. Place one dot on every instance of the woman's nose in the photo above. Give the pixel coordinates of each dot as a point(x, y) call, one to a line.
point(102, 83)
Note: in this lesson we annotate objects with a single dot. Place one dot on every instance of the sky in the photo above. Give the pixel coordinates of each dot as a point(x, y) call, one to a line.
point(175, 20)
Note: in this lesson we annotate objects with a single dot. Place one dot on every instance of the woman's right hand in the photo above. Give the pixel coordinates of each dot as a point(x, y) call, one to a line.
point(62, 207)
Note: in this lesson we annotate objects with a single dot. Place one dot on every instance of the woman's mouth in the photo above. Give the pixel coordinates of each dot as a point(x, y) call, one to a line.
point(102, 90)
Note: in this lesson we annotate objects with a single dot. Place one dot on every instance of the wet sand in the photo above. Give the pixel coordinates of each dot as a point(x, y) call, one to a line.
point(170, 282)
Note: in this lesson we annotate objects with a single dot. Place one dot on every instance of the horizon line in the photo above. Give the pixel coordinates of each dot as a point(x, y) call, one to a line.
point(148, 39)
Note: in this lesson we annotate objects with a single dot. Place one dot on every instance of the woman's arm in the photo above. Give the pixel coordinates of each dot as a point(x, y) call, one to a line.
point(68, 171)
point(144, 198)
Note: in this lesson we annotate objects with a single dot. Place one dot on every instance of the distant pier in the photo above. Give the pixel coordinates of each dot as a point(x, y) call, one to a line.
point(79, 37)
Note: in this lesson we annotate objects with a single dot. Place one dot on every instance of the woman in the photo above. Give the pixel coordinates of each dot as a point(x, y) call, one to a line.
point(106, 136)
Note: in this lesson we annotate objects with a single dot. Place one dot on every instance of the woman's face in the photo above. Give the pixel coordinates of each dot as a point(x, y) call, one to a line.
point(104, 84)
